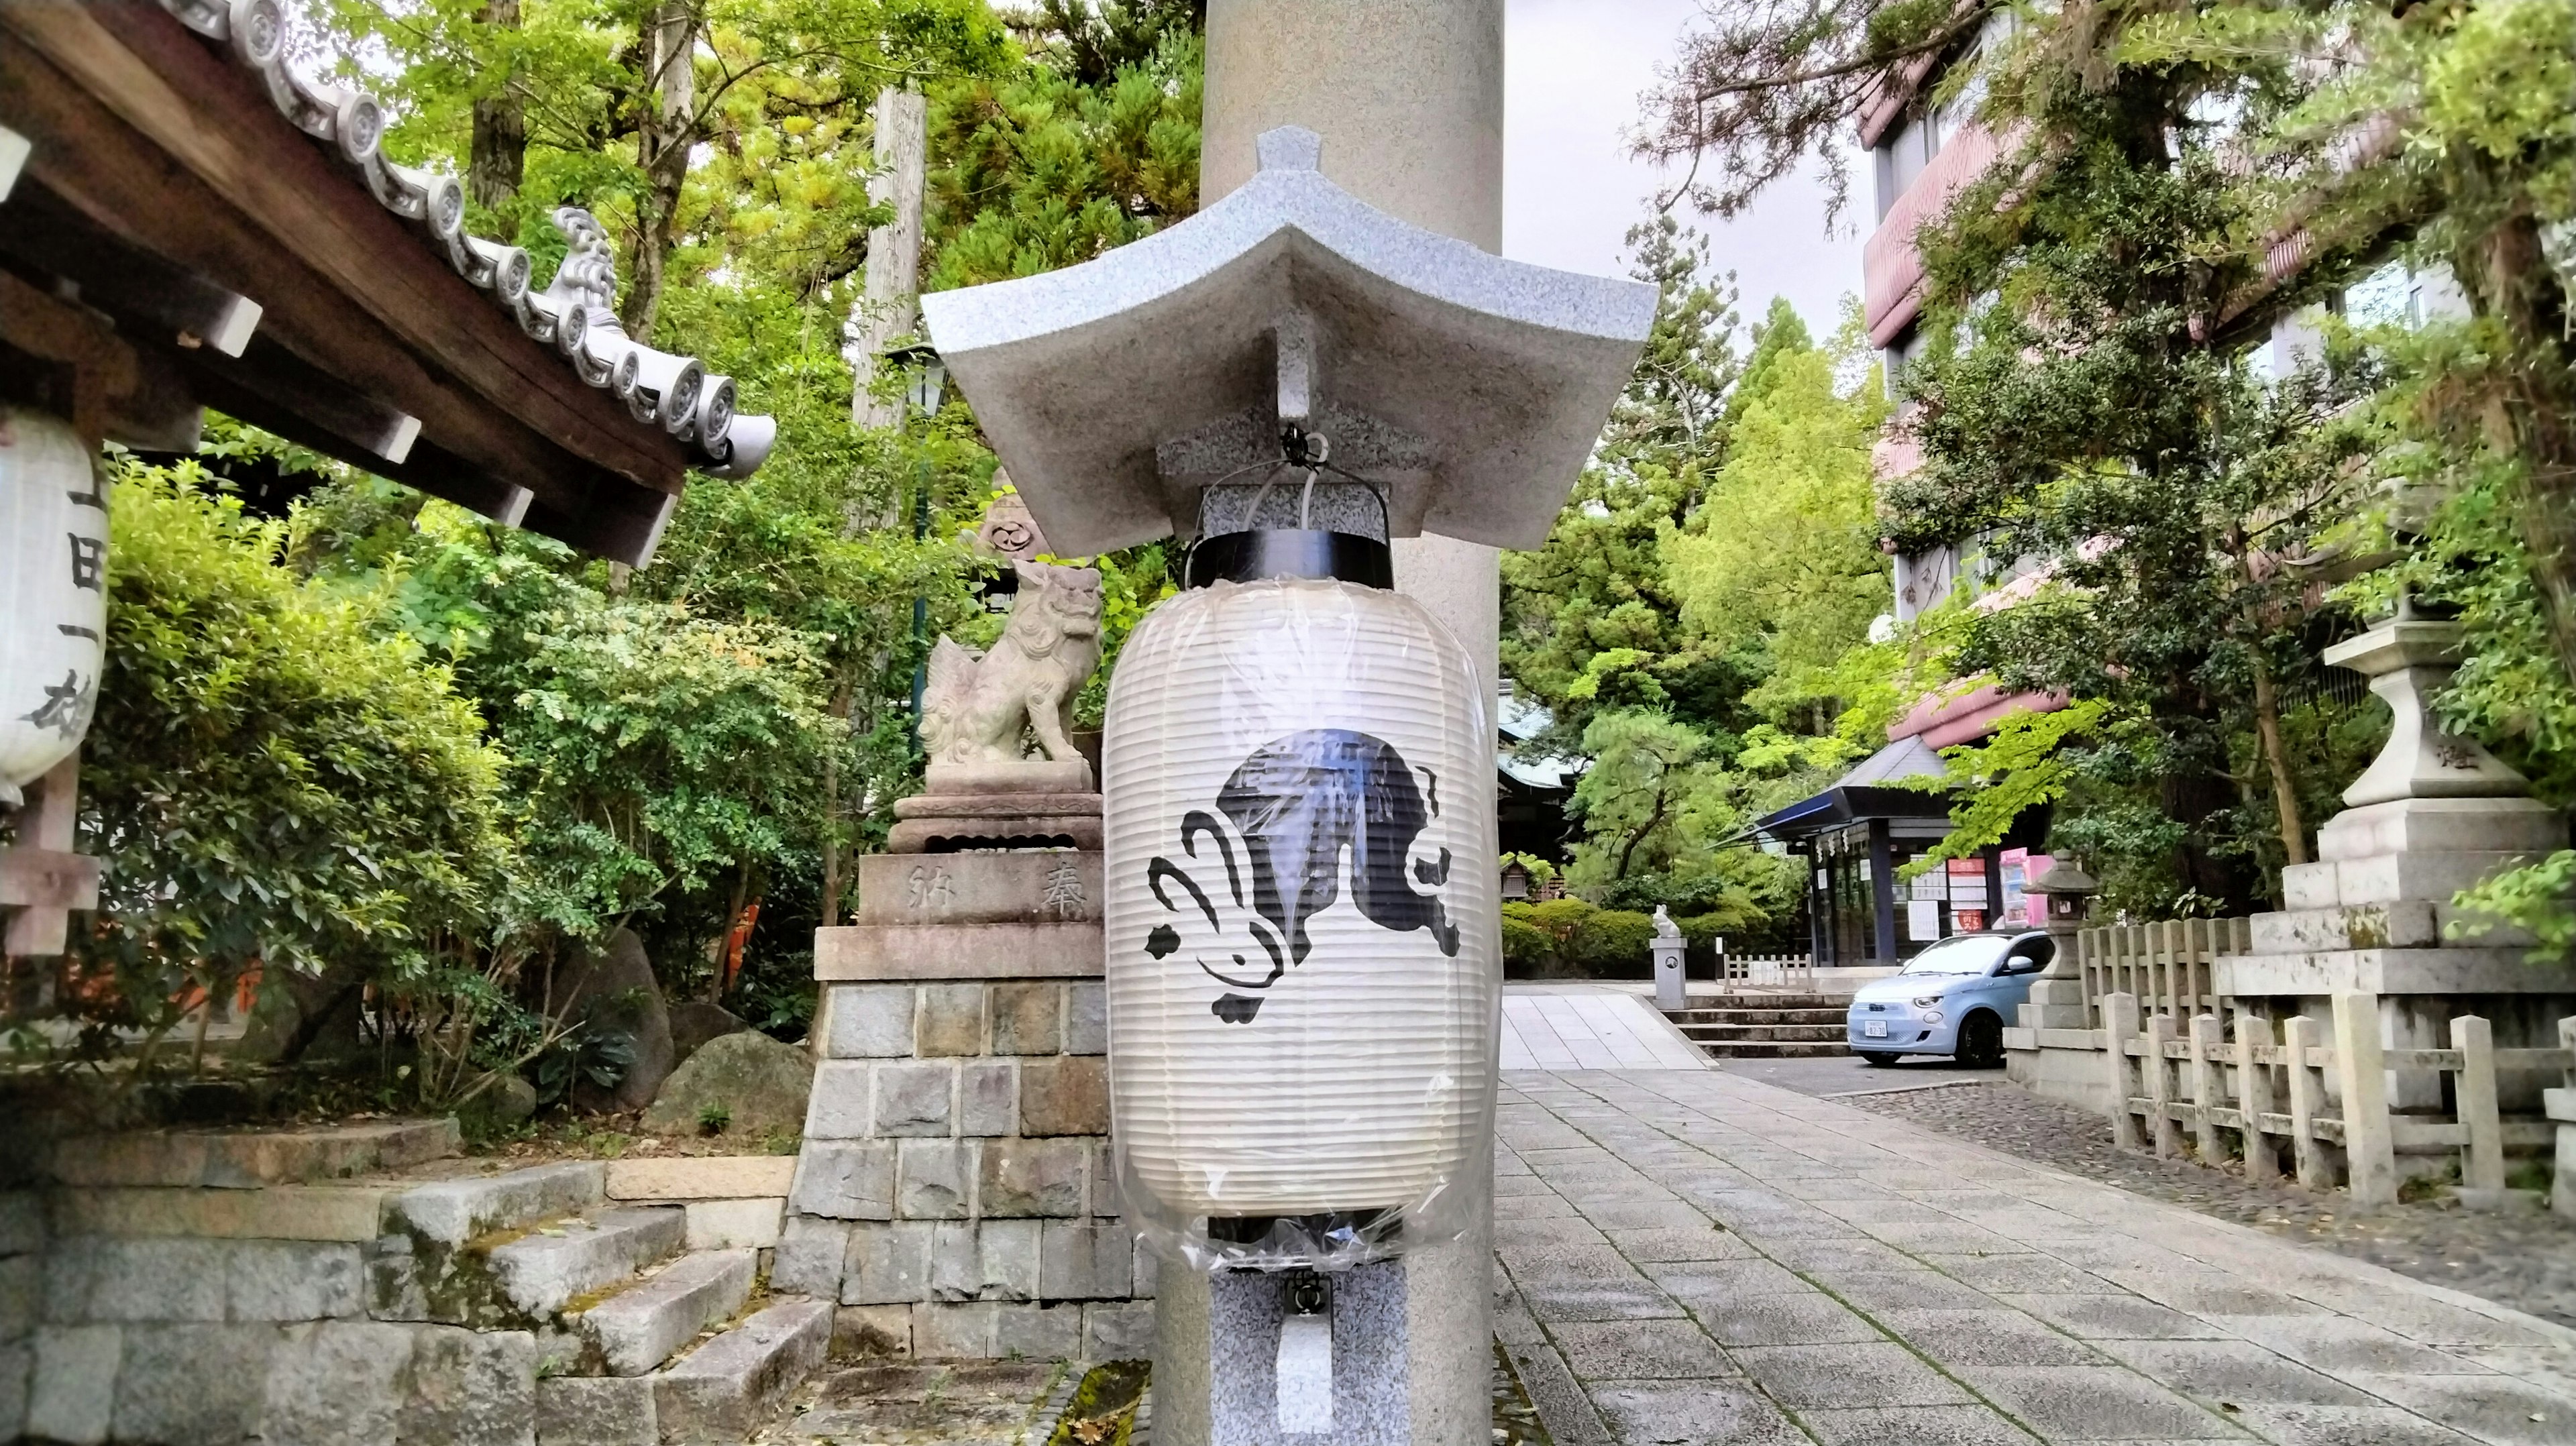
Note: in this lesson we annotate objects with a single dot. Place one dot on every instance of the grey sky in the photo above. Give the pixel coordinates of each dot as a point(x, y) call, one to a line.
point(1573, 72)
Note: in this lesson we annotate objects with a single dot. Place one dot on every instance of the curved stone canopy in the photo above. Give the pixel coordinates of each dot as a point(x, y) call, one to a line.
point(1469, 387)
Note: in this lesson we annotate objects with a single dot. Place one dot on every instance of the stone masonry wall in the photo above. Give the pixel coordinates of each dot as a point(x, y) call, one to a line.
point(953, 1193)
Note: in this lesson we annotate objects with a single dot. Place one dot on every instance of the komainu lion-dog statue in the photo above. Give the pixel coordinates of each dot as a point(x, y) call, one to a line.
point(974, 706)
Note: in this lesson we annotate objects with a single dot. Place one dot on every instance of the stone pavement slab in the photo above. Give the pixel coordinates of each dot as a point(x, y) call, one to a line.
point(1566, 1026)
point(1692, 1257)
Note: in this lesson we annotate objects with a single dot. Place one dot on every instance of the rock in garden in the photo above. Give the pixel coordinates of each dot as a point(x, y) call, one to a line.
point(758, 1083)
point(613, 993)
point(696, 1022)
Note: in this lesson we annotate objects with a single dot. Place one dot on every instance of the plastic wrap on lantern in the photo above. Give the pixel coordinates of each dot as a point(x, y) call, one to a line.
point(53, 593)
point(1304, 951)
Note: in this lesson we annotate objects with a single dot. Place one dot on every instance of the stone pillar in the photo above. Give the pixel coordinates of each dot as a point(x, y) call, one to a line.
point(1408, 96)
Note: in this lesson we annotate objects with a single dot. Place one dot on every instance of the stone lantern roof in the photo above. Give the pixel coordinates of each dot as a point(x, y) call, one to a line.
point(1467, 388)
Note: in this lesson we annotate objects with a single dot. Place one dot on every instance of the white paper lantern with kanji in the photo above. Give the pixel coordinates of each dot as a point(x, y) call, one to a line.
point(1302, 928)
point(53, 594)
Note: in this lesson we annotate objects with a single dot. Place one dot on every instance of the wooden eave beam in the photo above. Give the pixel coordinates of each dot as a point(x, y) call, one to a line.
point(147, 133)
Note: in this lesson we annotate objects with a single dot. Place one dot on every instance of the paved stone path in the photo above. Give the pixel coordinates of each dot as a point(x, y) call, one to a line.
point(1694, 1257)
point(2522, 1259)
point(1585, 1026)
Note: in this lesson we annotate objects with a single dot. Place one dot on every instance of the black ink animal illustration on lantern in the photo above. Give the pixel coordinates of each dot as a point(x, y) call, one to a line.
point(1297, 804)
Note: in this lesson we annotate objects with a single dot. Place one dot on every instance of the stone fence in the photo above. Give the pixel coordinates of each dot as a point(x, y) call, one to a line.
point(2255, 1096)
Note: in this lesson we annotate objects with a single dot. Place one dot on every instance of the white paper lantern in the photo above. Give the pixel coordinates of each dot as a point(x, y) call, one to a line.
point(1304, 943)
point(53, 594)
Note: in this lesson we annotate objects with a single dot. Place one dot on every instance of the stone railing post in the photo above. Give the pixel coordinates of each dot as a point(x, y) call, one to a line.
point(2254, 1095)
point(2119, 1026)
point(2561, 1106)
point(2208, 1094)
point(2482, 1158)
point(2370, 1157)
point(2307, 1102)
point(2160, 1087)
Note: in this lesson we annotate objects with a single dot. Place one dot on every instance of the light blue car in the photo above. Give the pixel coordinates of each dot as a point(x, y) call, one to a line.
point(1954, 998)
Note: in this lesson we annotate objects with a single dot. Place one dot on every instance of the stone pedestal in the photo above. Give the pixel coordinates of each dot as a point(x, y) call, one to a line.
point(953, 1194)
point(1032, 804)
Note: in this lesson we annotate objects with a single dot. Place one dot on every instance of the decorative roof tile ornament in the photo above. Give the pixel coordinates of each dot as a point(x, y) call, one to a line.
point(572, 314)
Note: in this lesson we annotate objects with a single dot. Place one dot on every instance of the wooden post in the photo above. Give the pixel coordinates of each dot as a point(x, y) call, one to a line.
point(2482, 1158)
point(2119, 1026)
point(2206, 1095)
point(2254, 1095)
point(885, 309)
point(41, 879)
point(2160, 1087)
point(2370, 1156)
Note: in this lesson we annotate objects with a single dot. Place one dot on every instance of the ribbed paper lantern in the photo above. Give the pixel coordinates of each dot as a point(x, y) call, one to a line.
point(53, 594)
point(1304, 958)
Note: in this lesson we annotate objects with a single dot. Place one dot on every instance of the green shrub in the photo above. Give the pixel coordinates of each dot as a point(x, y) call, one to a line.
point(1527, 949)
point(1612, 943)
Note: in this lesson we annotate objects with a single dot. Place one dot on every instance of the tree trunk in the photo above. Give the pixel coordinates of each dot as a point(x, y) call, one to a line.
point(2285, 789)
point(663, 137)
point(885, 309)
point(2530, 417)
point(498, 161)
point(832, 815)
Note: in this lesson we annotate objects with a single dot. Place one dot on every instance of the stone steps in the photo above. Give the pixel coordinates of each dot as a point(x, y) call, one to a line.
point(454, 1212)
point(638, 1328)
point(541, 1272)
point(249, 1159)
point(1784, 1026)
point(1755, 1032)
point(729, 1387)
point(1690, 1017)
point(1773, 1050)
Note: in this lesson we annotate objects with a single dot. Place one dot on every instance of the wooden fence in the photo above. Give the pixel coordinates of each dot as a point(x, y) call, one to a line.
point(2245, 1098)
point(2166, 966)
point(1767, 970)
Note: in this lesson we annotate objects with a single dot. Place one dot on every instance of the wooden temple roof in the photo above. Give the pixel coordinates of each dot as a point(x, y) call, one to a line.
point(187, 219)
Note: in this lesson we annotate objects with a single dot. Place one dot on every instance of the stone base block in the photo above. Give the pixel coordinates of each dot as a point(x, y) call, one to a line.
point(2055, 1064)
point(1025, 776)
point(597, 1411)
point(1067, 950)
point(937, 824)
point(2442, 825)
point(2407, 924)
point(1043, 886)
point(2441, 971)
point(704, 1177)
point(2393, 878)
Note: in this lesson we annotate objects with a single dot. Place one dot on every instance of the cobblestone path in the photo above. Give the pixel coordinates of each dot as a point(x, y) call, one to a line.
point(1697, 1258)
point(2525, 1260)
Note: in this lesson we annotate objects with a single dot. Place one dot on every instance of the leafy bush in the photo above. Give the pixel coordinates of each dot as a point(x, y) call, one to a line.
point(1613, 943)
point(273, 780)
point(1528, 950)
point(1571, 938)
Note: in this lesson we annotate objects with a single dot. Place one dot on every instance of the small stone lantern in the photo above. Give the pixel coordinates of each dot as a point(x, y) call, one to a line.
point(2057, 995)
point(2069, 891)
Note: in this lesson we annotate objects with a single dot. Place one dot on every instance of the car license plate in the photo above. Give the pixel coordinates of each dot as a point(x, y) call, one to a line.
point(1873, 1029)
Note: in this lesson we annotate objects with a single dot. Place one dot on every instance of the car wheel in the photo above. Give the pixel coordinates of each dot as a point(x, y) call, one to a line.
point(1876, 1060)
point(1981, 1041)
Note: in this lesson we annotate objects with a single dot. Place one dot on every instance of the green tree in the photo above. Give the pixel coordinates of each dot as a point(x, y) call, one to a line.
point(1782, 555)
point(1039, 170)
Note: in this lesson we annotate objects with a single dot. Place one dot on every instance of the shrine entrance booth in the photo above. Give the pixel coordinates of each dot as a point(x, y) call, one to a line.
point(1865, 908)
